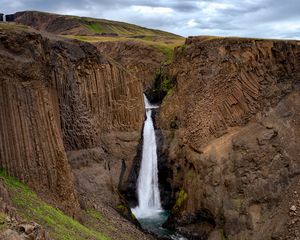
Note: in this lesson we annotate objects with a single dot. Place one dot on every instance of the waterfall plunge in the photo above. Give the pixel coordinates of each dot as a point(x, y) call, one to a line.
point(148, 191)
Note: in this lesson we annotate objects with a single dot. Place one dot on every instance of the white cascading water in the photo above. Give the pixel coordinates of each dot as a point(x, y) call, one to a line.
point(148, 190)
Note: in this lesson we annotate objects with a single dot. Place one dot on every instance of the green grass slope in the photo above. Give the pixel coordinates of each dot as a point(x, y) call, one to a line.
point(60, 226)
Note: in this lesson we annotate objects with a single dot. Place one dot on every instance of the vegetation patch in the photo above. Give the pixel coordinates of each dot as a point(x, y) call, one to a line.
point(166, 85)
point(95, 27)
point(121, 207)
point(31, 207)
point(182, 196)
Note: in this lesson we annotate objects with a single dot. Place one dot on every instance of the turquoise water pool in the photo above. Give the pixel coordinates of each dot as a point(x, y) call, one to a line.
point(154, 224)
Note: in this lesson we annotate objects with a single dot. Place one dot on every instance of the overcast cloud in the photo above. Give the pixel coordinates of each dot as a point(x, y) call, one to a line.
point(248, 18)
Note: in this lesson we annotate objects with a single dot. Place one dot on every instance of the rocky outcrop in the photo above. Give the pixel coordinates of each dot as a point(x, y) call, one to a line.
point(12, 226)
point(231, 130)
point(52, 23)
point(22, 230)
point(60, 96)
point(141, 60)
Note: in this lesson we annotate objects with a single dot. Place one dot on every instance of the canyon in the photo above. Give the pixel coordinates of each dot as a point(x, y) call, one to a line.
point(227, 130)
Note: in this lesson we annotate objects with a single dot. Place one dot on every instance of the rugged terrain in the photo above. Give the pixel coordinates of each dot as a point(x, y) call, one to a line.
point(70, 128)
point(231, 132)
point(70, 123)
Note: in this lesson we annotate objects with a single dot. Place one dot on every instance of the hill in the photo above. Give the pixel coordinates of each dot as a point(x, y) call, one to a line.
point(100, 30)
point(74, 25)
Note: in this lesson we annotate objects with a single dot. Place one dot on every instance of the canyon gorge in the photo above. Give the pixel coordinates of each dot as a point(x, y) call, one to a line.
point(71, 131)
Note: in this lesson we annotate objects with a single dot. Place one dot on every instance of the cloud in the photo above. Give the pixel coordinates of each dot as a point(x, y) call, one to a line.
point(248, 18)
point(192, 23)
point(146, 10)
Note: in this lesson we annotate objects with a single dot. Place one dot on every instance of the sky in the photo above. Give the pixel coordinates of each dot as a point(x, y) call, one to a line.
point(245, 18)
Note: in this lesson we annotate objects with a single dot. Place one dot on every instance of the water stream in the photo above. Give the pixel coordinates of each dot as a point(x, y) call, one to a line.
point(149, 211)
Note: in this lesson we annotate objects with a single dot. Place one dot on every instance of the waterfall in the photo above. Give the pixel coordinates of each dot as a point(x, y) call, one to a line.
point(147, 188)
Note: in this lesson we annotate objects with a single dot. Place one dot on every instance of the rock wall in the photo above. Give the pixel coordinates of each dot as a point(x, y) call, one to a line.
point(95, 96)
point(57, 96)
point(141, 60)
point(231, 130)
point(31, 146)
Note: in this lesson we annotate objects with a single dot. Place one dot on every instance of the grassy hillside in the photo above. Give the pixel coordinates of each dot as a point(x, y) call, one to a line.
point(64, 24)
point(30, 207)
point(100, 26)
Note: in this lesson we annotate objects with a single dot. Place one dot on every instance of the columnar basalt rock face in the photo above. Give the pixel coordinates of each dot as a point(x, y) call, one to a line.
point(141, 60)
point(58, 96)
point(31, 145)
point(228, 81)
point(101, 106)
point(231, 127)
point(94, 95)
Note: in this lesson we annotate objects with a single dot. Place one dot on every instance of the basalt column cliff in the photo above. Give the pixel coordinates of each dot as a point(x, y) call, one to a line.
point(231, 128)
point(61, 101)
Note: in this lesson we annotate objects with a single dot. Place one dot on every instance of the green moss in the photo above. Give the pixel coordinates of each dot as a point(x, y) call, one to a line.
point(166, 85)
point(182, 196)
point(163, 83)
point(31, 207)
point(120, 206)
